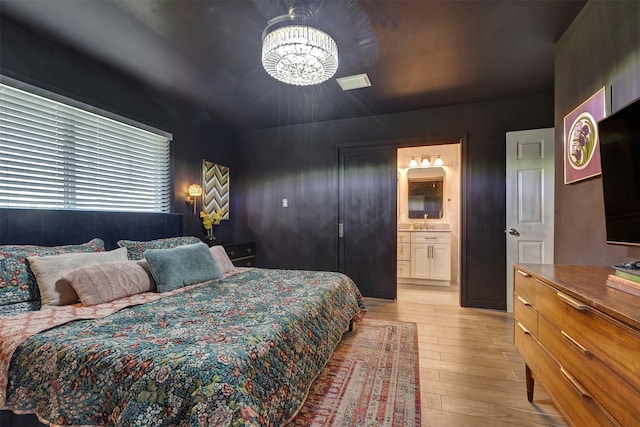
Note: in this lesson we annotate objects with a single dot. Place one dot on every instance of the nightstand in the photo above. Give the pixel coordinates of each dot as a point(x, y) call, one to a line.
point(241, 254)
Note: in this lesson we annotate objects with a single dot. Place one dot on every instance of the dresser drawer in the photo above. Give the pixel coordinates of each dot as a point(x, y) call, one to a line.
point(525, 286)
point(569, 394)
point(526, 314)
point(241, 254)
point(404, 269)
point(526, 344)
point(599, 381)
point(615, 345)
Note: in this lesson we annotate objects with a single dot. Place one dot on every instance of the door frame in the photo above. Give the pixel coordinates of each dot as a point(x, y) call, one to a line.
point(426, 140)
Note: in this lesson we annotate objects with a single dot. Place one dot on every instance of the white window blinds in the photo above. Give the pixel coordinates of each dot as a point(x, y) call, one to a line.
point(57, 156)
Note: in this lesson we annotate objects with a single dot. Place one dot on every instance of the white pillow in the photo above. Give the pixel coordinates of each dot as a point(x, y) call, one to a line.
point(222, 259)
point(49, 270)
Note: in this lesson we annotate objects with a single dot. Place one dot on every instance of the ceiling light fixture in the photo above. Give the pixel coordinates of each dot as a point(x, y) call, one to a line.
point(298, 54)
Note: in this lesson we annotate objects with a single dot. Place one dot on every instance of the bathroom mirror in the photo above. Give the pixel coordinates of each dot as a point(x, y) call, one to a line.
point(425, 192)
point(215, 184)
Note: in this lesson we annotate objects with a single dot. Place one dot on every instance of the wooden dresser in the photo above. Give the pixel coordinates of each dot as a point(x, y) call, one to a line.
point(580, 340)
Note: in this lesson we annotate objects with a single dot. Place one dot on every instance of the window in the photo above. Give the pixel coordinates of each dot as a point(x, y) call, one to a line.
point(60, 155)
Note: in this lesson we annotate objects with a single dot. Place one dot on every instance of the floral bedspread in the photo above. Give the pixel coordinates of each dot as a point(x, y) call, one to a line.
point(239, 351)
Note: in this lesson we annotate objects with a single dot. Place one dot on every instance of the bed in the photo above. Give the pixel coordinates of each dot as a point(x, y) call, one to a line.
point(242, 349)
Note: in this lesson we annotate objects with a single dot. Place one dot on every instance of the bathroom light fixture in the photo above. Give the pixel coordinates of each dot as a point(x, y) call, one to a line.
point(193, 192)
point(438, 161)
point(425, 162)
point(413, 163)
point(297, 53)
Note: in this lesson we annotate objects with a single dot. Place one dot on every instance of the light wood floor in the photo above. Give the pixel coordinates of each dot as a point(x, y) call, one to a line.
point(470, 373)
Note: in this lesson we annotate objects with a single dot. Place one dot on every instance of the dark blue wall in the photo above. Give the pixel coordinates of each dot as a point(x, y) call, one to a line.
point(35, 59)
point(301, 163)
point(298, 162)
point(601, 48)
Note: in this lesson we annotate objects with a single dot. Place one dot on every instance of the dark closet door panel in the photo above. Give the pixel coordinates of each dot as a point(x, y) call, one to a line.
point(368, 198)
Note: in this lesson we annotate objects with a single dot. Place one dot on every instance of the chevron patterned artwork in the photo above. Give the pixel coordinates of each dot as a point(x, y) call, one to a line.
point(215, 182)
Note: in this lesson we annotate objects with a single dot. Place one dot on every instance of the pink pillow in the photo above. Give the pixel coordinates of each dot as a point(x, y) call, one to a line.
point(48, 271)
point(109, 281)
point(222, 259)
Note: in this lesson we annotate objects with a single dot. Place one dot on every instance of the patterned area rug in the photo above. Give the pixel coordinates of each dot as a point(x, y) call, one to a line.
point(372, 379)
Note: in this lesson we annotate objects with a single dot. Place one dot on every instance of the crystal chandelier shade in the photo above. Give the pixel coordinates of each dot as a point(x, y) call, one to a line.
point(299, 55)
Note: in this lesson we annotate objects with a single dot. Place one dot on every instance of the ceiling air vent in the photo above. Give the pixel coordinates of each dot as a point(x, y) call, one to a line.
point(354, 82)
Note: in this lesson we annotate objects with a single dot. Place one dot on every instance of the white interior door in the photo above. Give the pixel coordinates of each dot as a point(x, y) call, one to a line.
point(530, 193)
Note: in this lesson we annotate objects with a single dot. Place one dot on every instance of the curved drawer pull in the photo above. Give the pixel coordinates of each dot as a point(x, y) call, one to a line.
point(522, 273)
point(570, 301)
point(525, 330)
point(524, 301)
point(576, 344)
point(574, 382)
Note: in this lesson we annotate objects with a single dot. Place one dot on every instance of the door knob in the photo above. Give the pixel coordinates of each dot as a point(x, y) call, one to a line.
point(514, 232)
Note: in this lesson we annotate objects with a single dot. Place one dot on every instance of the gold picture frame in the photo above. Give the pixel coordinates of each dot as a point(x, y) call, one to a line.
point(581, 141)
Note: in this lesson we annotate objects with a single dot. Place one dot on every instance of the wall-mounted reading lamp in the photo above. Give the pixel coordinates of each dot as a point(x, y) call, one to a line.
point(193, 192)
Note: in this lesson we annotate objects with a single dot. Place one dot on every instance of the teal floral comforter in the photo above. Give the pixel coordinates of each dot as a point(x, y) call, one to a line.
point(240, 351)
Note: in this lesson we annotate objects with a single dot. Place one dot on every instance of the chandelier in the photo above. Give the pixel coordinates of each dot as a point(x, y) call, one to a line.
point(298, 54)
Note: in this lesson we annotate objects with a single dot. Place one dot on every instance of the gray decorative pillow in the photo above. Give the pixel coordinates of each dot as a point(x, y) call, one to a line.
point(181, 266)
point(136, 248)
point(50, 269)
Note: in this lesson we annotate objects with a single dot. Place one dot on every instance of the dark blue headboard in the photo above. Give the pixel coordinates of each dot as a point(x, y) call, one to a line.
point(64, 227)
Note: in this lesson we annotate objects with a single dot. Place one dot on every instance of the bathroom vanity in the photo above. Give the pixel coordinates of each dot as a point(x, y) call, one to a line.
point(424, 257)
point(426, 209)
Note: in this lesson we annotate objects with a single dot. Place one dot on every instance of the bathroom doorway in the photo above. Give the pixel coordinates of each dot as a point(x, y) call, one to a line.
point(428, 229)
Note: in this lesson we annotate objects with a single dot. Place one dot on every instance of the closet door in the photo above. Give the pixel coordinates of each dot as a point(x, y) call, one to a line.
point(367, 218)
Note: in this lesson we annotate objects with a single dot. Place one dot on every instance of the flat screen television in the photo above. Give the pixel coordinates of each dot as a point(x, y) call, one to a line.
point(620, 158)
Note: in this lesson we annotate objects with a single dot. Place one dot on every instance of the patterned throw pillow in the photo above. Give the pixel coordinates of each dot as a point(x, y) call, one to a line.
point(135, 249)
point(17, 282)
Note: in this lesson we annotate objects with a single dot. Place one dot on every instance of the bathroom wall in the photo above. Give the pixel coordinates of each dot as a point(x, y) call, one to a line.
point(450, 155)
